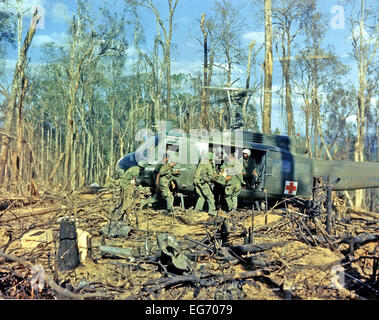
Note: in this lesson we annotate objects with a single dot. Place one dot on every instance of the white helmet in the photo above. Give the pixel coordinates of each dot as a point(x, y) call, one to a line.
point(247, 151)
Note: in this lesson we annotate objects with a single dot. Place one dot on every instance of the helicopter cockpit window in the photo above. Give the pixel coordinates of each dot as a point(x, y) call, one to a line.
point(146, 150)
point(172, 150)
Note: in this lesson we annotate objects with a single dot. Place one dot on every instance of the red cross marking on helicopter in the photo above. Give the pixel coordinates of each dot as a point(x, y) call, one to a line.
point(290, 188)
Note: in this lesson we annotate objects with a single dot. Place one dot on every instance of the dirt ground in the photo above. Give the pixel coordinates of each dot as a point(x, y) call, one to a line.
point(295, 260)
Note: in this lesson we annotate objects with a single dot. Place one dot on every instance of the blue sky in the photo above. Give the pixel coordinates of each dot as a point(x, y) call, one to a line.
point(187, 56)
point(188, 50)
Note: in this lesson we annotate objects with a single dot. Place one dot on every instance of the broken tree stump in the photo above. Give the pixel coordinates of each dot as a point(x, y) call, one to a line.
point(68, 253)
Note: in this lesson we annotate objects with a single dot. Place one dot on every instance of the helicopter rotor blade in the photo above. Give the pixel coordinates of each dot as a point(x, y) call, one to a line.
point(227, 88)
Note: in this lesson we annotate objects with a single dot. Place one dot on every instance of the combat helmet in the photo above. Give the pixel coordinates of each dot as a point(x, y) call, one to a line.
point(142, 164)
point(247, 151)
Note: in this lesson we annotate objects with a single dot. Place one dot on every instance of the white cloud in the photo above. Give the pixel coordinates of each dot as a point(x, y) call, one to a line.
point(27, 6)
point(186, 66)
point(190, 44)
point(258, 36)
point(41, 39)
point(132, 52)
point(355, 34)
point(8, 64)
point(59, 12)
point(352, 118)
point(183, 20)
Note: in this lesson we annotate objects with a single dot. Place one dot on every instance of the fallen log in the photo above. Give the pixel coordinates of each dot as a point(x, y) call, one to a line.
point(255, 248)
point(362, 212)
point(203, 281)
point(116, 252)
point(61, 292)
point(57, 209)
point(361, 239)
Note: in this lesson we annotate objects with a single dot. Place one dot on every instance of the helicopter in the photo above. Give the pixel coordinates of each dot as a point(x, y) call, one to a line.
point(284, 170)
point(283, 167)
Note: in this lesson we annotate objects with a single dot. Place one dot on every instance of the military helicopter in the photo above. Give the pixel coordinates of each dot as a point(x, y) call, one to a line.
point(284, 169)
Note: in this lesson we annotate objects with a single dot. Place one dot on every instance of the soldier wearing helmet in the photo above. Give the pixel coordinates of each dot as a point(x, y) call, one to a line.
point(204, 175)
point(127, 182)
point(233, 182)
point(219, 164)
point(165, 181)
point(249, 169)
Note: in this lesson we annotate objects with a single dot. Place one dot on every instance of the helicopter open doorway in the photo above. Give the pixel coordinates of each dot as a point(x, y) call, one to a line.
point(259, 158)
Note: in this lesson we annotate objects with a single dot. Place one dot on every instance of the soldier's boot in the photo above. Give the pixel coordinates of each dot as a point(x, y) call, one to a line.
point(211, 207)
point(200, 201)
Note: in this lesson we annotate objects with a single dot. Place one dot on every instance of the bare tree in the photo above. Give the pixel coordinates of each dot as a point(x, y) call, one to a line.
point(228, 51)
point(268, 68)
point(17, 87)
point(166, 46)
point(364, 28)
point(205, 96)
point(285, 13)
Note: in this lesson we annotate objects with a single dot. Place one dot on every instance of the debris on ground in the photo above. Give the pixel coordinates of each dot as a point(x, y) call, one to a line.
point(295, 250)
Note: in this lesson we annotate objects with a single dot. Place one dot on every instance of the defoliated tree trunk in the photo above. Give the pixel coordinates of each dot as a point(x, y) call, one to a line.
point(20, 132)
point(167, 45)
point(246, 98)
point(285, 13)
point(286, 73)
point(205, 96)
point(365, 48)
point(16, 87)
point(267, 97)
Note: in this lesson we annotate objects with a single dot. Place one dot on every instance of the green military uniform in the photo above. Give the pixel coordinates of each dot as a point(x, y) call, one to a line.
point(124, 179)
point(154, 199)
point(129, 175)
point(249, 166)
point(166, 174)
point(128, 187)
point(232, 185)
point(203, 176)
point(219, 187)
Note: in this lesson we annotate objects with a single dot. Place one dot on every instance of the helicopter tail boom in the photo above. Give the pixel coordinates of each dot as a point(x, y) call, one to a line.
point(353, 175)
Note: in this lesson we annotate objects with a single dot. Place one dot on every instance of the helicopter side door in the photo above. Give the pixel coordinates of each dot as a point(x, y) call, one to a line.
point(279, 170)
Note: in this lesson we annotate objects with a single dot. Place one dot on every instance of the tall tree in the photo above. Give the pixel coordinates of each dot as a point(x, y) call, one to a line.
point(364, 28)
point(268, 68)
point(89, 42)
point(205, 97)
point(316, 69)
point(7, 32)
point(166, 46)
point(284, 14)
point(208, 43)
point(229, 53)
point(15, 92)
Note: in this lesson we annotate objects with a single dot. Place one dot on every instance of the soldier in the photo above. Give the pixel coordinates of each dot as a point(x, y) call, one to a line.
point(203, 177)
point(166, 173)
point(219, 187)
point(154, 199)
point(233, 182)
point(128, 178)
point(249, 169)
point(127, 183)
